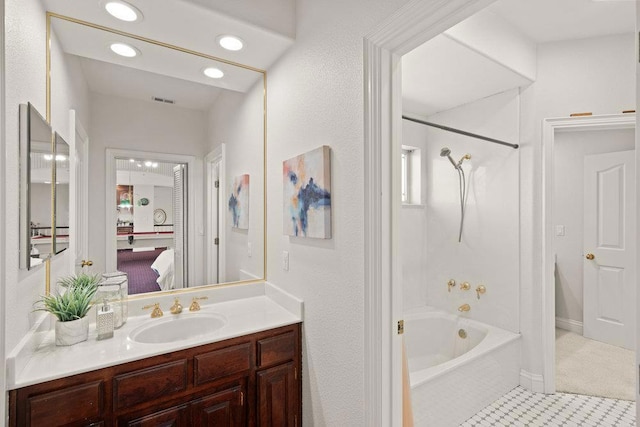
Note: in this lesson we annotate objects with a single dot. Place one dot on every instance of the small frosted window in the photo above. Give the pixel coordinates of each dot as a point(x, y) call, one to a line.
point(410, 175)
point(404, 170)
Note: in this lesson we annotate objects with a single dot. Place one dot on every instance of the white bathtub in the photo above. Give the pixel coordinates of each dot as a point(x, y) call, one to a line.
point(453, 378)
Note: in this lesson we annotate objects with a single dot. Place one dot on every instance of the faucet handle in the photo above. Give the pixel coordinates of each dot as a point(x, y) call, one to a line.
point(465, 286)
point(195, 306)
point(481, 289)
point(157, 312)
point(451, 284)
point(176, 308)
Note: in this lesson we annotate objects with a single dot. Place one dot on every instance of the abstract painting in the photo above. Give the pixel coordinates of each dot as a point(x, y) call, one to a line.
point(239, 202)
point(307, 194)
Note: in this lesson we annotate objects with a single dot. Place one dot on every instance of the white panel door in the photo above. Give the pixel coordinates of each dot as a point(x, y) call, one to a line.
point(78, 194)
point(609, 248)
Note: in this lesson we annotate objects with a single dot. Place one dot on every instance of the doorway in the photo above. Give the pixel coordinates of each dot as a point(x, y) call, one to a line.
point(590, 257)
point(215, 241)
point(414, 24)
point(151, 243)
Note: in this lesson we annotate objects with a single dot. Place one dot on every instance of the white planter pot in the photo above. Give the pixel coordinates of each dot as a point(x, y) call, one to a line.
point(73, 332)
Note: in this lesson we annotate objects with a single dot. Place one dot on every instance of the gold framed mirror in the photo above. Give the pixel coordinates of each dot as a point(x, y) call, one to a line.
point(149, 114)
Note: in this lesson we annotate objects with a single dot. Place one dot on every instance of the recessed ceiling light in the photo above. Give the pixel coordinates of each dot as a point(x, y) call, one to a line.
point(214, 73)
point(124, 49)
point(122, 10)
point(230, 42)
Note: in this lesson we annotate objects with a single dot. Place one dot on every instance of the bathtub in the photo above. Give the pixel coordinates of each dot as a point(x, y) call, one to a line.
point(452, 378)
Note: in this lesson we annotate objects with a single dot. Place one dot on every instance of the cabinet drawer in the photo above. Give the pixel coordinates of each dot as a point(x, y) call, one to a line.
point(173, 417)
point(147, 384)
point(70, 405)
point(221, 363)
point(280, 348)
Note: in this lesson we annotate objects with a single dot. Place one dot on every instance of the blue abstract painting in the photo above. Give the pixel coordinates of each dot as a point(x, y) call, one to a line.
point(307, 194)
point(239, 202)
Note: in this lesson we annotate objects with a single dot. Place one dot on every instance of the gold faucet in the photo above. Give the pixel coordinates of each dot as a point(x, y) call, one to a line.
point(157, 312)
point(451, 284)
point(481, 289)
point(465, 286)
point(464, 307)
point(194, 304)
point(176, 308)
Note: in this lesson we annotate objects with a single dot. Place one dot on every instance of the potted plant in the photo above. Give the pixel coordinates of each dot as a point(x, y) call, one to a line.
point(70, 307)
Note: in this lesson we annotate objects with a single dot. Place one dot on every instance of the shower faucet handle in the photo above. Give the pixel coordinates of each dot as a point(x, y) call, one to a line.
point(465, 286)
point(481, 289)
point(451, 284)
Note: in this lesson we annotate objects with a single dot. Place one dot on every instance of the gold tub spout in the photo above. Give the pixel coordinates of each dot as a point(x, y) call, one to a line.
point(464, 307)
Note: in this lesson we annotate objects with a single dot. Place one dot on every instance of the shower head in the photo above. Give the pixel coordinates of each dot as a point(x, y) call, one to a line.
point(445, 152)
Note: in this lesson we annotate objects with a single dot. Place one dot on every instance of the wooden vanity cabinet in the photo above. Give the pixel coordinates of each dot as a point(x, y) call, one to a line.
point(252, 380)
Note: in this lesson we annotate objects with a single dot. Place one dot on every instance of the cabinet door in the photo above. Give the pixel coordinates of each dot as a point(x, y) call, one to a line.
point(278, 396)
point(178, 416)
point(223, 409)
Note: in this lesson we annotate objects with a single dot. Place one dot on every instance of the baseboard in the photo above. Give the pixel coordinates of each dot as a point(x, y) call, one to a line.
point(532, 382)
point(569, 325)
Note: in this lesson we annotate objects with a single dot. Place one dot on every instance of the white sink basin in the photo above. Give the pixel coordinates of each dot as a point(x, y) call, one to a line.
point(179, 327)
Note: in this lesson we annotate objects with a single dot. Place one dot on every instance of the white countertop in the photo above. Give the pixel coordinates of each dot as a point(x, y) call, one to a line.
point(48, 361)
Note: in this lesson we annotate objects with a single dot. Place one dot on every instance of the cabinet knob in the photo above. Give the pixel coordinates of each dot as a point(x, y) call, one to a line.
point(590, 256)
point(86, 263)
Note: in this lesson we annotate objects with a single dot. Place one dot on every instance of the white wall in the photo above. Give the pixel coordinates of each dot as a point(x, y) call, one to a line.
point(3, 307)
point(594, 75)
point(25, 72)
point(236, 120)
point(142, 126)
point(316, 98)
point(568, 201)
point(164, 201)
point(488, 253)
point(41, 204)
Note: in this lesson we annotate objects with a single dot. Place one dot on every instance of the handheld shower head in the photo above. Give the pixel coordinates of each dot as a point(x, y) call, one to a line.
point(445, 152)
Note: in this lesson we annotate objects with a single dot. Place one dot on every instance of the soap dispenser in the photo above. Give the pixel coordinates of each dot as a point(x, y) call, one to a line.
point(105, 321)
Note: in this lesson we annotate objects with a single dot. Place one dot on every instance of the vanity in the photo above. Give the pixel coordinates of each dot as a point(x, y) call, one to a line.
point(241, 365)
point(247, 372)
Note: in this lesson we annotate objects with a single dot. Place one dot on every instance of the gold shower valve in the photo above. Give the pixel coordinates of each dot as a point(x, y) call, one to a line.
point(481, 289)
point(451, 284)
point(465, 286)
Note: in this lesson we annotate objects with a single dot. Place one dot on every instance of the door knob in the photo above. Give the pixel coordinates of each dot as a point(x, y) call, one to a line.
point(86, 263)
point(590, 256)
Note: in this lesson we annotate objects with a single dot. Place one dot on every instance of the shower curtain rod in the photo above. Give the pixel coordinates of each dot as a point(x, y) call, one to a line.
point(461, 132)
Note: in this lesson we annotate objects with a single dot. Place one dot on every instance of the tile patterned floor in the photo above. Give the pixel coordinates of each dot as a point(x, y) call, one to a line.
point(520, 408)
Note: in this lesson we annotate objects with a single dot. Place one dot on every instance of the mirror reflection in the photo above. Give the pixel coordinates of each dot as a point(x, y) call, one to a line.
point(36, 170)
point(150, 227)
point(169, 132)
point(61, 230)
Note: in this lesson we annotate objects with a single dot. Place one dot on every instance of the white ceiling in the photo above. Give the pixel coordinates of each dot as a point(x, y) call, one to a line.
point(442, 74)
point(275, 15)
point(553, 20)
point(161, 71)
point(186, 24)
point(126, 82)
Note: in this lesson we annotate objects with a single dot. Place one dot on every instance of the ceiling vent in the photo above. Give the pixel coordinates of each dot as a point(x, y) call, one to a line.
point(166, 101)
